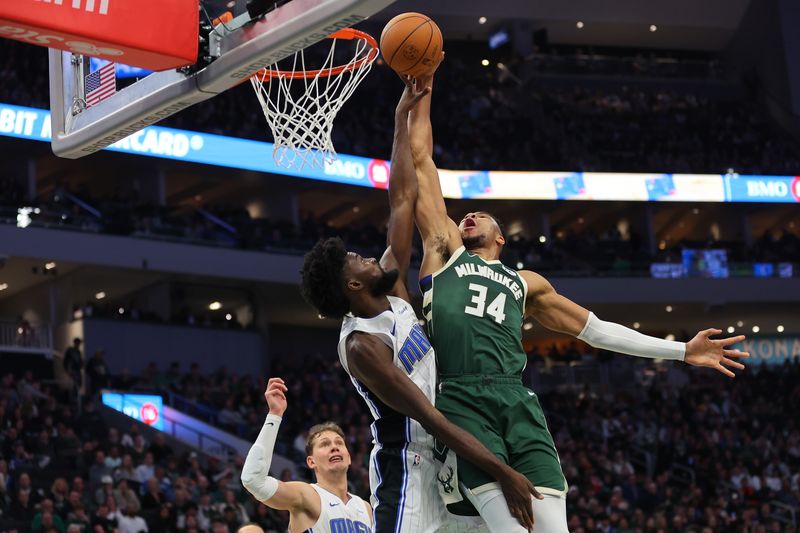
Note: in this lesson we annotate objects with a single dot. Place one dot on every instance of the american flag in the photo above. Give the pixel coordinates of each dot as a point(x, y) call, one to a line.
point(100, 84)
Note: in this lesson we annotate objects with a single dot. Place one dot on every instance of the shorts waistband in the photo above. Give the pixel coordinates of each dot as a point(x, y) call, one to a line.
point(480, 379)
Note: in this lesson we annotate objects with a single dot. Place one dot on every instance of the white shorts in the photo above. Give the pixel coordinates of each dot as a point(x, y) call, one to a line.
point(405, 497)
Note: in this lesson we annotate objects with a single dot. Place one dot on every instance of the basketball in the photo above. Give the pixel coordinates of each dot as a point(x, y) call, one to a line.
point(411, 44)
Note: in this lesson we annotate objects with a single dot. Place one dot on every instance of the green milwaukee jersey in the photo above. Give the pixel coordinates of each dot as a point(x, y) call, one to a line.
point(475, 310)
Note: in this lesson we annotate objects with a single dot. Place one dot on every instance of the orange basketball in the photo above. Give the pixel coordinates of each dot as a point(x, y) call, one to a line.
point(411, 43)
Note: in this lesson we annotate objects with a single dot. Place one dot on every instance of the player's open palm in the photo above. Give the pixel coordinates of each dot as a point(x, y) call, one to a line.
point(712, 353)
point(518, 491)
point(276, 396)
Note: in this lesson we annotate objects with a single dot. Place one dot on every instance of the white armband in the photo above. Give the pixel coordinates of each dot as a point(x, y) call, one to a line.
point(255, 472)
point(618, 338)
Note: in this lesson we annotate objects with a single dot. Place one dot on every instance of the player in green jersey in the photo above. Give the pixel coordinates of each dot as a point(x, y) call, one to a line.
point(475, 307)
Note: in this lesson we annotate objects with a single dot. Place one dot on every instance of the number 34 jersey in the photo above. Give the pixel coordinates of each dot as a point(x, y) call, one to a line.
point(475, 310)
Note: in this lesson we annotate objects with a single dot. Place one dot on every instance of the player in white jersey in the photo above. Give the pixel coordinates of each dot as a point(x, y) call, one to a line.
point(392, 365)
point(321, 507)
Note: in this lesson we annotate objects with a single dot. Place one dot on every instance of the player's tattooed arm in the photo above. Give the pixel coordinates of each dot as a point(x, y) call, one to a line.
point(370, 361)
point(440, 235)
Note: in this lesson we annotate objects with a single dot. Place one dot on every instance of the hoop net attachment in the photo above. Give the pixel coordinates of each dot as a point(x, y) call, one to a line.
point(301, 104)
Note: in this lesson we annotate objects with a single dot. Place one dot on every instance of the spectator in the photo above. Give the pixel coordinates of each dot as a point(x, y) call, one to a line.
point(73, 363)
point(229, 503)
point(153, 498)
point(97, 372)
point(78, 517)
point(105, 491)
point(131, 522)
point(126, 497)
point(104, 519)
point(46, 521)
point(99, 471)
point(146, 471)
point(159, 448)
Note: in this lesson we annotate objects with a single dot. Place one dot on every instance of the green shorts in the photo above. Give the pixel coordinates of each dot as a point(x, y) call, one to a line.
point(507, 418)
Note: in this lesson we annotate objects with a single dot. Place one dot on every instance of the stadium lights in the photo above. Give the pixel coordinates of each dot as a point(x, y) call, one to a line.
point(695, 211)
point(527, 326)
point(780, 328)
point(482, 20)
point(3, 286)
point(421, 322)
point(668, 309)
point(579, 25)
point(739, 324)
point(49, 266)
point(756, 329)
point(636, 325)
point(485, 62)
point(215, 306)
point(653, 28)
point(519, 265)
point(669, 337)
point(731, 329)
point(542, 239)
point(228, 317)
point(121, 310)
point(100, 295)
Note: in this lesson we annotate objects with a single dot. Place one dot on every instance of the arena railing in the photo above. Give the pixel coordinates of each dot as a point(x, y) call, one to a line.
point(23, 336)
point(785, 513)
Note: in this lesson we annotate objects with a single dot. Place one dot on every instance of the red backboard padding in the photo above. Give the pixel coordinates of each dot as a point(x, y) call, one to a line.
point(152, 34)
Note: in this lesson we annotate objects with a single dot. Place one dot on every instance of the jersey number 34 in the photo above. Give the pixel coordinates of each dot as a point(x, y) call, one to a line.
point(479, 308)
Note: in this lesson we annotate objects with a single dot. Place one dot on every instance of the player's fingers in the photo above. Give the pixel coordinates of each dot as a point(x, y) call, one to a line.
point(726, 371)
point(711, 331)
point(420, 95)
point(535, 493)
point(524, 515)
point(732, 364)
point(736, 353)
point(730, 340)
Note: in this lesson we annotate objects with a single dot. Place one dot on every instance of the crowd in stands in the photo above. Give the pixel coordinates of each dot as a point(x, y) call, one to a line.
point(676, 450)
point(65, 470)
point(592, 252)
point(508, 120)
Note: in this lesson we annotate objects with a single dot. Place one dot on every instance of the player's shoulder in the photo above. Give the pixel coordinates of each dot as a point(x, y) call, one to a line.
point(536, 283)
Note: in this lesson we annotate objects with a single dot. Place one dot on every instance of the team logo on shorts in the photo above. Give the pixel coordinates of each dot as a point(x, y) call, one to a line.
point(447, 485)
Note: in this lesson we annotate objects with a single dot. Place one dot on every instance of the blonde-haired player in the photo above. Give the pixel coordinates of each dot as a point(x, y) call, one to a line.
point(321, 507)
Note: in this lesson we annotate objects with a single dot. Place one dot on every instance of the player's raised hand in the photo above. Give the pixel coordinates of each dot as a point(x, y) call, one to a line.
point(276, 396)
point(712, 353)
point(412, 94)
point(517, 490)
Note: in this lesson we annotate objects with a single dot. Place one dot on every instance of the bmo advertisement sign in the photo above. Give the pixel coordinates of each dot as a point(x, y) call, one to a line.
point(145, 408)
point(780, 189)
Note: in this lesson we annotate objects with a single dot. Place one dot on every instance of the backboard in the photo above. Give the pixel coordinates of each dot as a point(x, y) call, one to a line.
point(230, 54)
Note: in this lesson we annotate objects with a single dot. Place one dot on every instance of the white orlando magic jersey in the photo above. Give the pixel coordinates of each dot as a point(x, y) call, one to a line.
point(399, 329)
point(335, 516)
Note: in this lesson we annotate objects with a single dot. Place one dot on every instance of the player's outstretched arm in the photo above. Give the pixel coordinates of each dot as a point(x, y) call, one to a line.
point(440, 234)
point(370, 361)
point(302, 501)
point(402, 189)
point(558, 313)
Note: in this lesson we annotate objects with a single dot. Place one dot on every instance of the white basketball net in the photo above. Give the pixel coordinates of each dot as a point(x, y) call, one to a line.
point(302, 122)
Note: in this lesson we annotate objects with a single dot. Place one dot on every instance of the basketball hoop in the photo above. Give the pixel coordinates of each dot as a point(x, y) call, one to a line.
point(301, 114)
